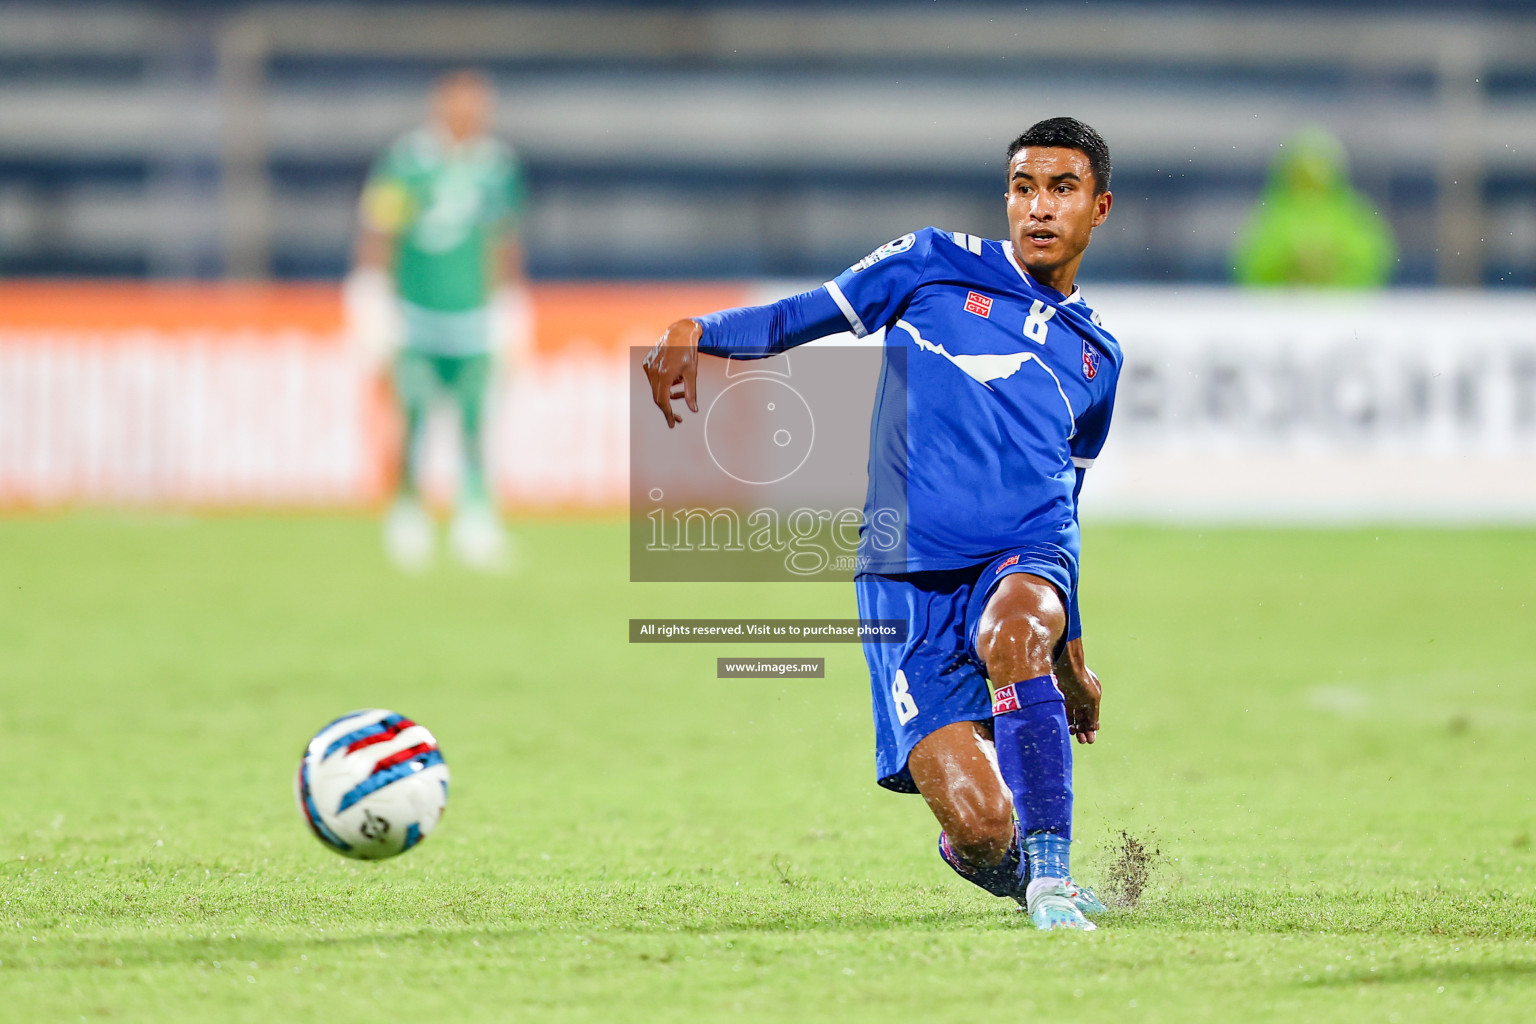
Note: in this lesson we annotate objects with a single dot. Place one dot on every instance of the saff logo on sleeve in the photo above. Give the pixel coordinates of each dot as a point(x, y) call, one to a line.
point(978, 304)
point(1091, 357)
point(890, 248)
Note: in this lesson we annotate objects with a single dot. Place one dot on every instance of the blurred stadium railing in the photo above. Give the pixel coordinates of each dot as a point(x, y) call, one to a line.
point(724, 140)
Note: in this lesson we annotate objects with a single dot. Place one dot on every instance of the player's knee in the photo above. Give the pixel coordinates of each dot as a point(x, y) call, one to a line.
point(1019, 629)
point(1016, 646)
point(981, 831)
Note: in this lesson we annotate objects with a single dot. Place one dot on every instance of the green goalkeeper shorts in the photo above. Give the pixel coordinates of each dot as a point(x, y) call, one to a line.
point(420, 377)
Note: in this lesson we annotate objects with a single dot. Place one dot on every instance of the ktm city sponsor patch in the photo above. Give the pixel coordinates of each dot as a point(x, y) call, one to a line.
point(978, 304)
point(1012, 560)
point(1091, 357)
point(1004, 700)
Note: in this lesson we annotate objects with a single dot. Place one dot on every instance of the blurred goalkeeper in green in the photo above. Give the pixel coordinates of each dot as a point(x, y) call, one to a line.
point(439, 294)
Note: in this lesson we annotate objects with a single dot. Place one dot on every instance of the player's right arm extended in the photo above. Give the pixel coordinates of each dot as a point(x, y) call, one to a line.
point(860, 299)
point(756, 332)
point(750, 332)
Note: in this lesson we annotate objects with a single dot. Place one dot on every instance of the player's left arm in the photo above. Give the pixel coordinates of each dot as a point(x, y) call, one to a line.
point(511, 306)
point(1079, 684)
point(508, 269)
point(1080, 690)
point(512, 320)
point(507, 266)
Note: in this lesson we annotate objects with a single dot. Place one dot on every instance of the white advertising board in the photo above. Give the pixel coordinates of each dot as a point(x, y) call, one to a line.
point(1233, 407)
point(1285, 407)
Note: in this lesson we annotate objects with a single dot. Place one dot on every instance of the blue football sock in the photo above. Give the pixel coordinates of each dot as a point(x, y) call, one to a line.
point(1034, 754)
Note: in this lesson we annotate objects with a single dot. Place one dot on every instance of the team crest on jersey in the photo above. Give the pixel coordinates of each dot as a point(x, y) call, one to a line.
point(978, 304)
point(890, 248)
point(1091, 359)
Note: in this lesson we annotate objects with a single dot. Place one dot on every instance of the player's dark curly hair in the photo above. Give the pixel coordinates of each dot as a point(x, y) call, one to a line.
point(1069, 133)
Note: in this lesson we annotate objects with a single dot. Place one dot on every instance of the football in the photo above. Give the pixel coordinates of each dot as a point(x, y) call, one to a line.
point(372, 784)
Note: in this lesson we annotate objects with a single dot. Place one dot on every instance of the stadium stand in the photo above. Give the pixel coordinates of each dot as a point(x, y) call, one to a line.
point(735, 141)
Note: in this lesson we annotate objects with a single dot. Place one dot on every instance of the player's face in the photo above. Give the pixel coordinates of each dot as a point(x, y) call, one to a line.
point(463, 107)
point(1052, 210)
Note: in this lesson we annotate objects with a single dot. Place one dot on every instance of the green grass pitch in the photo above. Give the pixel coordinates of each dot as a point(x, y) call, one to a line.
point(1327, 736)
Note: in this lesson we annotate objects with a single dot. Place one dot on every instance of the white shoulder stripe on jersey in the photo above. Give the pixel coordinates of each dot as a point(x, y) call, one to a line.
point(972, 243)
point(1082, 463)
point(859, 330)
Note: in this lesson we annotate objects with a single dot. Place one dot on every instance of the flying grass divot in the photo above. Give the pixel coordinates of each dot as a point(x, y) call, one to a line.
point(1126, 879)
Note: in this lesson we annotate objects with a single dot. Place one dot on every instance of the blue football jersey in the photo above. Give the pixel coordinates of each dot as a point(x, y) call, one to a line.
point(993, 389)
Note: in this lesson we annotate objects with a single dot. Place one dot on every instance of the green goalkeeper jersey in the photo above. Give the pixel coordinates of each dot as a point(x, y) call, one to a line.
point(445, 209)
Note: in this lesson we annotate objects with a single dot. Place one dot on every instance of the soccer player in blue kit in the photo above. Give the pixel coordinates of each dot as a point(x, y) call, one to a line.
point(995, 395)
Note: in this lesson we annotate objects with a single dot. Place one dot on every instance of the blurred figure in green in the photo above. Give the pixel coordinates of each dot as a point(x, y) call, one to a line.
point(1311, 227)
point(439, 296)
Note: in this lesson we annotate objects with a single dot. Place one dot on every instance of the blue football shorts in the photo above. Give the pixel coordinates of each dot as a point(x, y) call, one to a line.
point(935, 677)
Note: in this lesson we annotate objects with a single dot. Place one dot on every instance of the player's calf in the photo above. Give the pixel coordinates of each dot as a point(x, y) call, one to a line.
point(955, 769)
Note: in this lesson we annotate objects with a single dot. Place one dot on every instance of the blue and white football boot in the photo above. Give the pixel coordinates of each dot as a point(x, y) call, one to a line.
point(1052, 907)
point(1084, 899)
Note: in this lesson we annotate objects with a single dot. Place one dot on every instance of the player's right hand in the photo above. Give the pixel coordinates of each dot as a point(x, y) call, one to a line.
point(374, 326)
point(672, 368)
